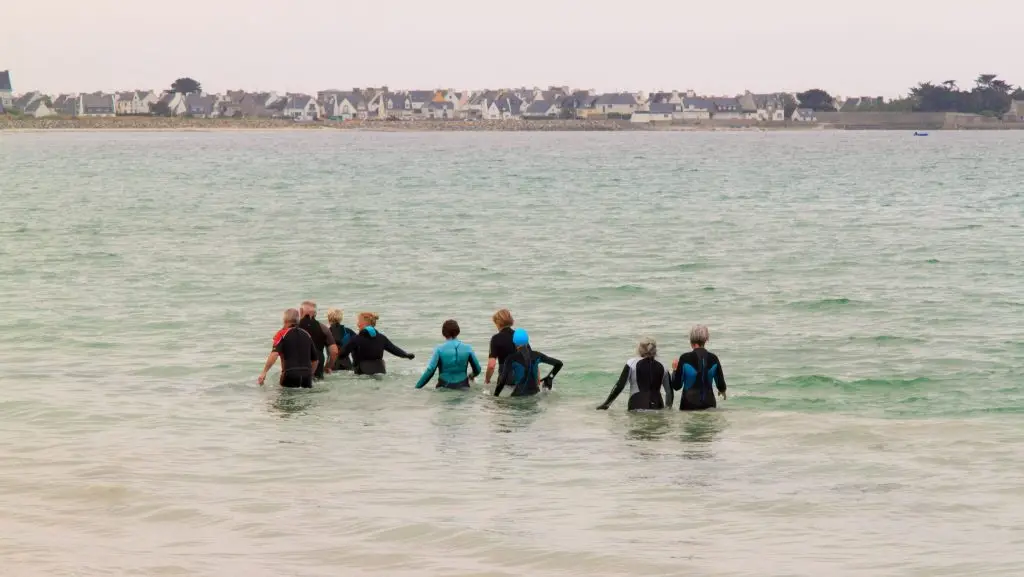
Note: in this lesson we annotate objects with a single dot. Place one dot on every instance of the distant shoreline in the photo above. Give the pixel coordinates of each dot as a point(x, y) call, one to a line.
point(178, 124)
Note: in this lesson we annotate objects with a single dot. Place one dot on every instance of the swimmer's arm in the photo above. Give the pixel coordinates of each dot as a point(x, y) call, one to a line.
point(677, 374)
point(428, 373)
point(474, 363)
point(720, 380)
point(333, 350)
point(349, 347)
point(271, 360)
point(314, 357)
point(616, 390)
point(393, 349)
point(556, 365)
point(491, 364)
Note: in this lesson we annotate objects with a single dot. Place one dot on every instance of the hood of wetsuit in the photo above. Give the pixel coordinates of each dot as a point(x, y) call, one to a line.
point(370, 331)
point(520, 338)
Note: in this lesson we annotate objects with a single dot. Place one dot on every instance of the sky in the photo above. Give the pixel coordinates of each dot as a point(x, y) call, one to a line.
point(868, 47)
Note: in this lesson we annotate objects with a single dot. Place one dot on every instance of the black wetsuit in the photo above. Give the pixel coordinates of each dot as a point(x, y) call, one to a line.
point(297, 353)
point(367, 350)
point(697, 372)
point(342, 335)
point(501, 346)
point(522, 371)
point(646, 377)
point(321, 339)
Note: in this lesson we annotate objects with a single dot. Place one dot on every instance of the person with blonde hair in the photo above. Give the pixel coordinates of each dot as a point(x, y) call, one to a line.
point(368, 346)
point(646, 377)
point(501, 343)
point(298, 355)
point(342, 335)
point(696, 371)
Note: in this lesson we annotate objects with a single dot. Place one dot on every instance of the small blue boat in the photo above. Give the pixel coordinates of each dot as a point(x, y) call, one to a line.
point(920, 134)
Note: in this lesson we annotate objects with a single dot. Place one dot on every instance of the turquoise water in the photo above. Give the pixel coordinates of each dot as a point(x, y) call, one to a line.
point(865, 292)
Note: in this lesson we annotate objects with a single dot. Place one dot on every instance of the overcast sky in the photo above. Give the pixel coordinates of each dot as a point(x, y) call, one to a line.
point(867, 47)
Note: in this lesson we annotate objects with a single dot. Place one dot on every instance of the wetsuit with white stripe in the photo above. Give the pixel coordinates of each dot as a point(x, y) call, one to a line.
point(646, 378)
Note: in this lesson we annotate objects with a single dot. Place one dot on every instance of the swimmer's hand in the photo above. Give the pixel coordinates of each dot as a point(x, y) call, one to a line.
point(411, 356)
point(261, 379)
point(722, 394)
point(603, 407)
point(548, 382)
point(327, 370)
point(675, 364)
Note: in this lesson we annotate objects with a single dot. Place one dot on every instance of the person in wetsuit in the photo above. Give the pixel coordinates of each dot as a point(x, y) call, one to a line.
point(695, 373)
point(501, 343)
point(451, 359)
point(521, 369)
point(368, 346)
point(322, 338)
point(297, 352)
point(342, 335)
point(646, 377)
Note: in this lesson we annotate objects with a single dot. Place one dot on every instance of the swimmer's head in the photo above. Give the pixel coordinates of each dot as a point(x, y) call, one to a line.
point(699, 335)
point(334, 316)
point(450, 329)
point(368, 320)
point(520, 338)
point(290, 318)
point(308, 308)
point(647, 349)
point(502, 319)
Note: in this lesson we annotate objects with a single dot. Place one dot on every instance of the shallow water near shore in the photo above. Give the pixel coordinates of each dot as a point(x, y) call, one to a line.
point(864, 291)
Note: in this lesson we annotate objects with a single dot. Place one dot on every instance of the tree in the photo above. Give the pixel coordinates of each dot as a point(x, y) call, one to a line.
point(186, 86)
point(789, 105)
point(817, 99)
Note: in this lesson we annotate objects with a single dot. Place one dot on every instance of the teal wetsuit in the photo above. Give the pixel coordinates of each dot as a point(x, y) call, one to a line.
point(451, 359)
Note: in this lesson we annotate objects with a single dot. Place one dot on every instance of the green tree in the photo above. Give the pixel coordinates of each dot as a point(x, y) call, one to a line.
point(817, 99)
point(186, 86)
point(789, 105)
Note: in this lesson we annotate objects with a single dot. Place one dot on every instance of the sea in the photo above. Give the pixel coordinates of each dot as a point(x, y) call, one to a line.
point(864, 291)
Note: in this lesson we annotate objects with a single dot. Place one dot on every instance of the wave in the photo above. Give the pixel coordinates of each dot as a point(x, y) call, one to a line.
point(826, 382)
point(823, 304)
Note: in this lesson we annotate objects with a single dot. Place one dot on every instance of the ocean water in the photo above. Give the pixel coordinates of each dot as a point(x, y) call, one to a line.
point(865, 292)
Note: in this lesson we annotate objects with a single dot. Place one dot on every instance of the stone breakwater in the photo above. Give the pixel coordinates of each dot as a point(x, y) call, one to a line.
point(179, 123)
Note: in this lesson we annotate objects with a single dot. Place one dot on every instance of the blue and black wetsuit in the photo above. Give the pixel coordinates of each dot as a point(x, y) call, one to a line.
point(342, 335)
point(697, 371)
point(451, 359)
point(646, 377)
point(521, 371)
point(367, 350)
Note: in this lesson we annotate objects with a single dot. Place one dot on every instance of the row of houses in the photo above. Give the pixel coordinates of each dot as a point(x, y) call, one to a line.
point(440, 104)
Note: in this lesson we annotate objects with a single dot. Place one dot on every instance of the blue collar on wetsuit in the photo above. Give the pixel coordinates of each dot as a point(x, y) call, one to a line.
point(370, 331)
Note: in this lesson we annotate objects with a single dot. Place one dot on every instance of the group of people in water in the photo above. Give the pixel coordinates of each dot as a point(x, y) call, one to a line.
point(308, 349)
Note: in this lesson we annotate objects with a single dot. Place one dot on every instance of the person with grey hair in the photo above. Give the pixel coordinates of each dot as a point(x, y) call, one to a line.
point(646, 377)
point(322, 338)
point(696, 371)
point(298, 356)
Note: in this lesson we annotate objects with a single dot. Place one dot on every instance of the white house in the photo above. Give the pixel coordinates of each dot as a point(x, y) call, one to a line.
point(1016, 111)
point(127, 103)
point(6, 91)
point(658, 112)
point(623, 104)
point(726, 109)
point(804, 115)
point(439, 110)
point(38, 109)
point(175, 103)
point(419, 99)
point(398, 106)
point(542, 109)
point(504, 108)
point(302, 107)
point(96, 104)
point(22, 102)
point(147, 98)
point(695, 109)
